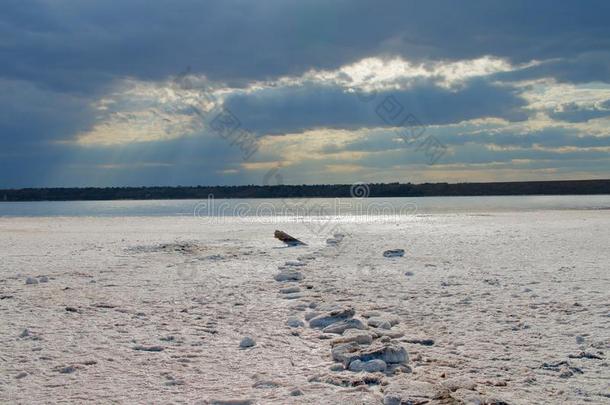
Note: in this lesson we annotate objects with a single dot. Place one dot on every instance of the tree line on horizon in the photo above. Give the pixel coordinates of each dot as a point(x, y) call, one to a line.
point(317, 190)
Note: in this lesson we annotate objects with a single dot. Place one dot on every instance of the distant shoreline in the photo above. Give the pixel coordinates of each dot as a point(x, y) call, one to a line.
point(525, 188)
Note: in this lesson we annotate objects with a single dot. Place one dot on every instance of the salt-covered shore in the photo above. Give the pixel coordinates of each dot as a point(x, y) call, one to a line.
point(490, 308)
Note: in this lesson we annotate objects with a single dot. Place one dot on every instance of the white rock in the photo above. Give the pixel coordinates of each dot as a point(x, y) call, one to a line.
point(247, 342)
point(335, 240)
point(382, 322)
point(288, 275)
point(289, 290)
point(354, 335)
point(393, 334)
point(331, 317)
point(341, 352)
point(310, 315)
point(294, 322)
point(370, 314)
point(371, 366)
point(342, 326)
point(389, 353)
point(384, 325)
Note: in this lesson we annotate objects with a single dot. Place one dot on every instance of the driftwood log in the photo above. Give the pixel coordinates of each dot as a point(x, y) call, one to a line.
point(287, 239)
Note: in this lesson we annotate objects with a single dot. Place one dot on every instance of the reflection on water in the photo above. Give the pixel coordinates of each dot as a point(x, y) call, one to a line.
point(305, 206)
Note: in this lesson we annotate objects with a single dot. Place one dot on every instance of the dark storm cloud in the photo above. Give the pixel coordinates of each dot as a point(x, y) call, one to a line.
point(189, 160)
point(293, 109)
point(78, 45)
point(34, 117)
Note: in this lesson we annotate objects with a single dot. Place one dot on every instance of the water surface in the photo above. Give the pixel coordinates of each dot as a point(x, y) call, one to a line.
point(304, 206)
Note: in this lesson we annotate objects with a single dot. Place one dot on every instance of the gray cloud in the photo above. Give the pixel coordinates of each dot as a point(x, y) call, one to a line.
point(283, 110)
point(78, 46)
point(33, 117)
point(552, 137)
point(582, 68)
point(187, 161)
point(572, 112)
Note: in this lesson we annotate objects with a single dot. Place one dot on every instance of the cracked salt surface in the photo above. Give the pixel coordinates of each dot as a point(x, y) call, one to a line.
point(502, 308)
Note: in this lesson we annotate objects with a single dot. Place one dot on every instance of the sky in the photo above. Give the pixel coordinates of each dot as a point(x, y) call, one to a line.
point(166, 92)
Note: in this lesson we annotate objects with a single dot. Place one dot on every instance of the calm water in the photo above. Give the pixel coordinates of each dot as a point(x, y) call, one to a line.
point(305, 207)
